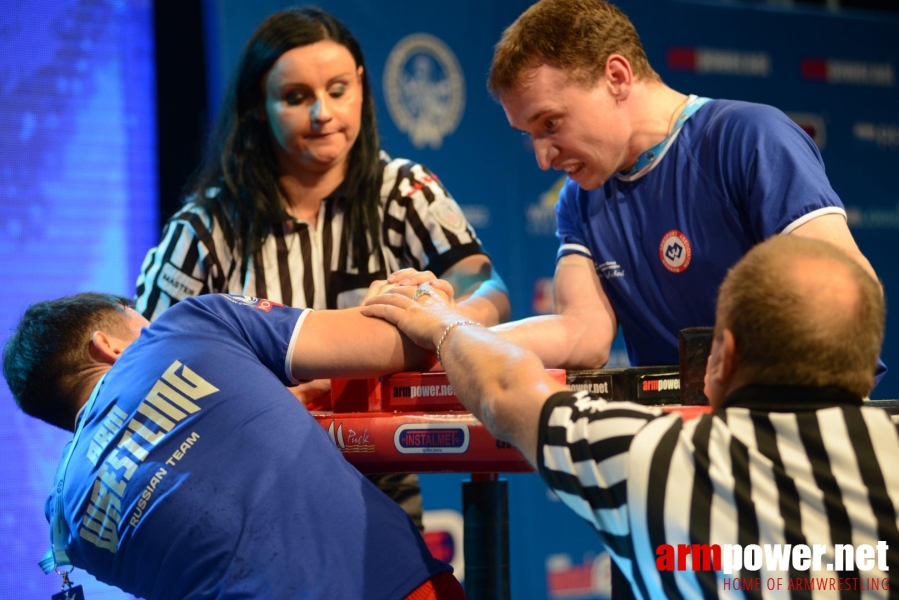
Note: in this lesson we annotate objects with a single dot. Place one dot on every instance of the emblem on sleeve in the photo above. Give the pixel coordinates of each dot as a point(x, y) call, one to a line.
point(447, 213)
point(675, 251)
point(424, 88)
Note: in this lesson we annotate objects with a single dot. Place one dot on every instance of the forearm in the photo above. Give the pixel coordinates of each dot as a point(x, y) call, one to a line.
point(346, 344)
point(504, 386)
point(488, 304)
point(559, 341)
point(480, 292)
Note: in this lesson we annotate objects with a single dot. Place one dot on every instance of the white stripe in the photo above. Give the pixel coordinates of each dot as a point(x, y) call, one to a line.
point(638, 487)
point(827, 210)
point(844, 465)
point(575, 248)
point(812, 512)
point(593, 430)
point(886, 449)
point(678, 496)
point(723, 524)
point(291, 347)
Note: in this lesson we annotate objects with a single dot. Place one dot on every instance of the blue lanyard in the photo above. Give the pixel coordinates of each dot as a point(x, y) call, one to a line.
point(649, 158)
point(59, 530)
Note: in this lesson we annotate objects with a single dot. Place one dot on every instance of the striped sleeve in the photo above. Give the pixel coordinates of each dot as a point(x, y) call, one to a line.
point(187, 262)
point(423, 225)
point(583, 455)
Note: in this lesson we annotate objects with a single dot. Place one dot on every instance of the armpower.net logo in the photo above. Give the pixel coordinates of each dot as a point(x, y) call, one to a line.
point(774, 566)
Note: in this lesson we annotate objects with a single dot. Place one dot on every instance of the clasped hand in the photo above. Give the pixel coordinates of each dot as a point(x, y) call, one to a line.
point(424, 319)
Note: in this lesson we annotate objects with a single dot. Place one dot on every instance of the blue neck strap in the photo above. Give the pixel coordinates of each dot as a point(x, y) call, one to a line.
point(59, 530)
point(650, 157)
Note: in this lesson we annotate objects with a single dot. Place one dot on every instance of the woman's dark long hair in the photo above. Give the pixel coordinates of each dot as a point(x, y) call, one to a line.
point(241, 161)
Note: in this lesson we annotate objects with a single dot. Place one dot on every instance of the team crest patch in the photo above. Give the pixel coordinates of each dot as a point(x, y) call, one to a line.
point(675, 251)
point(446, 212)
point(424, 88)
point(252, 301)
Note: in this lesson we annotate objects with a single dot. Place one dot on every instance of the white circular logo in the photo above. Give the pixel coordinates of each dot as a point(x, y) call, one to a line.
point(425, 89)
point(675, 251)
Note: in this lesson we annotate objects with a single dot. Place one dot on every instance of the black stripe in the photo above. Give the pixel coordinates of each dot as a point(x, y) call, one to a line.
point(837, 516)
point(259, 271)
point(343, 253)
point(659, 473)
point(306, 251)
point(442, 262)
point(244, 273)
point(156, 290)
point(328, 249)
point(787, 494)
point(212, 265)
point(747, 520)
point(612, 497)
point(701, 501)
point(872, 475)
point(420, 230)
point(282, 256)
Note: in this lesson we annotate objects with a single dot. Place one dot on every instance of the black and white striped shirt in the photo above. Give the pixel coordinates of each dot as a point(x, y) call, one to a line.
point(775, 465)
point(307, 267)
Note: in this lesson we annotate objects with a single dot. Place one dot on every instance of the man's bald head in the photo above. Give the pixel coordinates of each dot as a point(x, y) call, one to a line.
point(802, 312)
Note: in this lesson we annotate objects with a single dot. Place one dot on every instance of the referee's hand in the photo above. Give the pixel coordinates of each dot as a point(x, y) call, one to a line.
point(424, 318)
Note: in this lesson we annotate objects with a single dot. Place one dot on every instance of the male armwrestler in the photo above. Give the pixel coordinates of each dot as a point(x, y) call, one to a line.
point(664, 192)
point(194, 472)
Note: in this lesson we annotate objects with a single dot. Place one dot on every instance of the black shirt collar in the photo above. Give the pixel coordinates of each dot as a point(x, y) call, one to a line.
point(789, 398)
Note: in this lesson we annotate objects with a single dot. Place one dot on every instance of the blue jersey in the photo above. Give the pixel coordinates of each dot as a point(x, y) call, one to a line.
point(197, 474)
point(663, 239)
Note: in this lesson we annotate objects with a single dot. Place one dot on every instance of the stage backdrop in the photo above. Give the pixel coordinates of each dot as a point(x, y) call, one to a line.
point(833, 74)
point(78, 209)
point(78, 191)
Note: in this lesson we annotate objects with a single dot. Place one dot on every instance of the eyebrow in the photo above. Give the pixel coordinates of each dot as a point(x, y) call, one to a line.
point(536, 116)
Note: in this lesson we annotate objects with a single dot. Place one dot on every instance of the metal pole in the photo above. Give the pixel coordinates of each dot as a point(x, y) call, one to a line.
point(485, 510)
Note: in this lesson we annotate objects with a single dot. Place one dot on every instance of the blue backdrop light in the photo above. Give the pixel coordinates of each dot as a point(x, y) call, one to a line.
point(78, 209)
point(78, 197)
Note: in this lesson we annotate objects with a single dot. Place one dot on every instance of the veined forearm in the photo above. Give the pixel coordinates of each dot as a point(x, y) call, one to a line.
point(558, 341)
point(503, 385)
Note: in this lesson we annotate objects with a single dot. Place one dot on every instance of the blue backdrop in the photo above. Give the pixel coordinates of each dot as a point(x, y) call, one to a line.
point(78, 209)
point(78, 185)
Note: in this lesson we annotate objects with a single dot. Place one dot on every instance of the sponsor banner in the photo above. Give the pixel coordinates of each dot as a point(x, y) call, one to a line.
point(431, 438)
point(848, 72)
point(589, 579)
point(714, 61)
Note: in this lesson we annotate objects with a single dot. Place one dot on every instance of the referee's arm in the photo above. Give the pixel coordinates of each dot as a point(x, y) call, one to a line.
point(503, 385)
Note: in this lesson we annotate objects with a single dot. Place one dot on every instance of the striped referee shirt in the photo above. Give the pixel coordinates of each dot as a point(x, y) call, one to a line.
point(775, 465)
point(304, 266)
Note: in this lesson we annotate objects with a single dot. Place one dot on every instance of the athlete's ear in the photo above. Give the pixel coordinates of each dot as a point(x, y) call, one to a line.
point(106, 348)
point(720, 367)
point(618, 77)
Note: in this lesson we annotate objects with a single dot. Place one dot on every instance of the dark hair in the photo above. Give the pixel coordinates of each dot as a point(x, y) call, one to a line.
point(576, 36)
point(44, 359)
point(803, 312)
point(240, 159)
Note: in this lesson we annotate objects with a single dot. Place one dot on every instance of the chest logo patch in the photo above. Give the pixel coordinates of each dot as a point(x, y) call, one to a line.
point(675, 251)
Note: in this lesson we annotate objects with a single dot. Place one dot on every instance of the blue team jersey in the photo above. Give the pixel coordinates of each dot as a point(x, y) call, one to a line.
point(662, 240)
point(197, 474)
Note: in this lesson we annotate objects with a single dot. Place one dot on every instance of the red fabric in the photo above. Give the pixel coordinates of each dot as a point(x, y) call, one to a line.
point(442, 586)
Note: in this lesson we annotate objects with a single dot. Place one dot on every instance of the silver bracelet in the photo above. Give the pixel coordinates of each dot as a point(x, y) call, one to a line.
point(446, 333)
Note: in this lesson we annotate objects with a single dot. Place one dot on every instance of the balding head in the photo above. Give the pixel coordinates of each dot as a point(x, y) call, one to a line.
point(802, 312)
